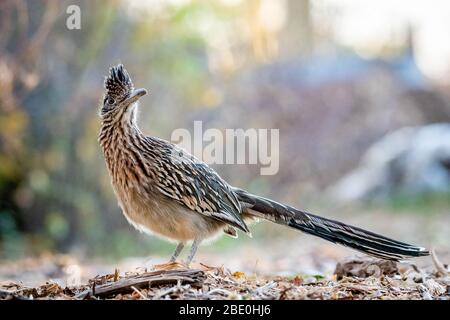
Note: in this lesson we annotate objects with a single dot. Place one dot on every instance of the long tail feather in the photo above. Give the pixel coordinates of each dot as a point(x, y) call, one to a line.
point(331, 230)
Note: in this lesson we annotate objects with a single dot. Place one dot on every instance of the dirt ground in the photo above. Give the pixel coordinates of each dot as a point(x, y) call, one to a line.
point(272, 266)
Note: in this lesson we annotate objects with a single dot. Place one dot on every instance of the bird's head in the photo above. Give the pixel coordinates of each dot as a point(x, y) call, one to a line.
point(120, 93)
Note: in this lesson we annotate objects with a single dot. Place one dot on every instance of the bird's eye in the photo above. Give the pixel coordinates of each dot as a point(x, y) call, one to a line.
point(111, 101)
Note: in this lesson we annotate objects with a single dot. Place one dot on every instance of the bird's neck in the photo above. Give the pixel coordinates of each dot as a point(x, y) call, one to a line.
point(128, 120)
point(118, 128)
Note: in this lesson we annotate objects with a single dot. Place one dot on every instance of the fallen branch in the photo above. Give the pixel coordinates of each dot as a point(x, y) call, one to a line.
point(145, 280)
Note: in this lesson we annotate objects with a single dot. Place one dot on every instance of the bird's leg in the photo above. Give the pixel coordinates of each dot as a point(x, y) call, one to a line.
point(193, 250)
point(177, 252)
point(172, 264)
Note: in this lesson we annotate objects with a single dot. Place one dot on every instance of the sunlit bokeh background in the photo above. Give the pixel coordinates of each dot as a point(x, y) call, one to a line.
point(338, 78)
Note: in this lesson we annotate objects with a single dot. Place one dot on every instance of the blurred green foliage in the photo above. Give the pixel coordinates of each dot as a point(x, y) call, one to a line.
point(54, 191)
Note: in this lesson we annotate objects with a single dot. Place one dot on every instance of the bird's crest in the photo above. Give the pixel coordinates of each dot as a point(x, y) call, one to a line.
point(118, 84)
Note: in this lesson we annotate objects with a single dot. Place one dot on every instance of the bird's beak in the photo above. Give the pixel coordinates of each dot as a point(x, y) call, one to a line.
point(135, 95)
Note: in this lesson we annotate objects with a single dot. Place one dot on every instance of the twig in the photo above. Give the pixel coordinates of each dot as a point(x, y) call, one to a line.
point(261, 291)
point(139, 293)
point(6, 293)
point(224, 292)
point(13, 294)
point(177, 288)
point(438, 265)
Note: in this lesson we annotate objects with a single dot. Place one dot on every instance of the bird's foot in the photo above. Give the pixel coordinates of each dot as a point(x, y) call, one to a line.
point(171, 265)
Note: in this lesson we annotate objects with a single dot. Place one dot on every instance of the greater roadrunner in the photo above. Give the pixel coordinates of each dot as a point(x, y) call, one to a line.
point(164, 191)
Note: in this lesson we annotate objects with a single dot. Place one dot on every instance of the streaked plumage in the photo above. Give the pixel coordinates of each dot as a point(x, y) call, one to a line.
point(163, 190)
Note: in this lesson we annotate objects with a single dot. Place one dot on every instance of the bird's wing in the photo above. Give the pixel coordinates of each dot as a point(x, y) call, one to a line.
point(194, 184)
